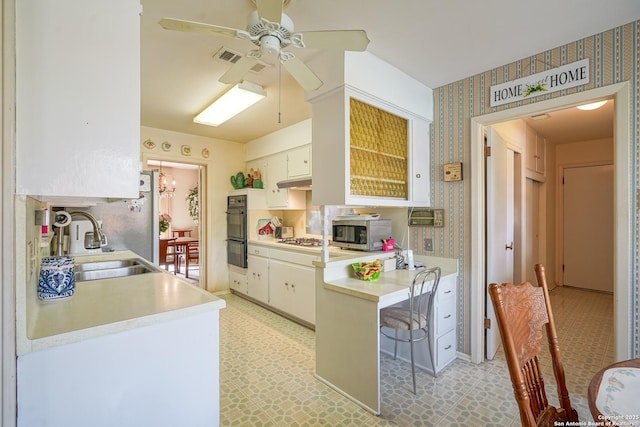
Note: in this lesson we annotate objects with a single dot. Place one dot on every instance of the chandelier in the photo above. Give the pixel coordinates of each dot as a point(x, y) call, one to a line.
point(165, 190)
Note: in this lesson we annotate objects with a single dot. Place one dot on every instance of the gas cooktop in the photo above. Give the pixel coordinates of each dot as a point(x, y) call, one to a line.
point(301, 241)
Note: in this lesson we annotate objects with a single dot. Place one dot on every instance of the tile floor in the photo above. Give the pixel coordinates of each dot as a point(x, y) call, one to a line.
point(267, 366)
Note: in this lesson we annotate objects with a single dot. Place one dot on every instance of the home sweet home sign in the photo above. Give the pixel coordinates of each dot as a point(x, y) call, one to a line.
point(549, 81)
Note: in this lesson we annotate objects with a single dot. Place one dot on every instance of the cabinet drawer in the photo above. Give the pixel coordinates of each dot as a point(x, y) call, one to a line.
point(445, 349)
point(258, 251)
point(446, 288)
point(293, 257)
point(445, 316)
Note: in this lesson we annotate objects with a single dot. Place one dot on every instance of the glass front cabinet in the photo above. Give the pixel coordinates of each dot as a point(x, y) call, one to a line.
point(368, 152)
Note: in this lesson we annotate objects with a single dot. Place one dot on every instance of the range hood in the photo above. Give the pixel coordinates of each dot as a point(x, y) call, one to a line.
point(295, 183)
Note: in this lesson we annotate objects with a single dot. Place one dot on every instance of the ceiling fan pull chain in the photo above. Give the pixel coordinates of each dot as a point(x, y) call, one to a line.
point(279, 91)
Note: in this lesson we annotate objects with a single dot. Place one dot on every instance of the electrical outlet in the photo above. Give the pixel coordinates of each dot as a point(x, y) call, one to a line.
point(428, 244)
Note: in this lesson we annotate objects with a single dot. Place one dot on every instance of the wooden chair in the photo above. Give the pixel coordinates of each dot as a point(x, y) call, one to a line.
point(191, 254)
point(180, 233)
point(521, 312)
point(168, 255)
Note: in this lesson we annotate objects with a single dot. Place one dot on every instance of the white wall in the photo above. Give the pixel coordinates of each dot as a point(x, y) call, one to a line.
point(280, 140)
point(225, 158)
point(599, 150)
point(177, 206)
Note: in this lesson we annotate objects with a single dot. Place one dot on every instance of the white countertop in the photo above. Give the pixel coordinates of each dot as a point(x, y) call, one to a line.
point(334, 251)
point(100, 307)
point(390, 288)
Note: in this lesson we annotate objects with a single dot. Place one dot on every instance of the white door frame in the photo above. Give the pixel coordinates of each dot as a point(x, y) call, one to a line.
point(622, 304)
point(203, 225)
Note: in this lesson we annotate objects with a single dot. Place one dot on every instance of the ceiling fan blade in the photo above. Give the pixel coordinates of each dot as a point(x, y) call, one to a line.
point(189, 26)
point(355, 40)
point(303, 74)
point(271, 10)
point(238, 70)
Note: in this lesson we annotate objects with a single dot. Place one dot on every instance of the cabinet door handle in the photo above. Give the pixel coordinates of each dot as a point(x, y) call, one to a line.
point(447, 292)
point(448, 347)
point(293, 286)
point(447, 316)
point(417, 175)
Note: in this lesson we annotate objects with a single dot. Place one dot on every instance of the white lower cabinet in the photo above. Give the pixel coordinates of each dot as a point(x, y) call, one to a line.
point(238, 280)
point(281, 279)
point(258, 278)
point(291, 289)
point(444, 322)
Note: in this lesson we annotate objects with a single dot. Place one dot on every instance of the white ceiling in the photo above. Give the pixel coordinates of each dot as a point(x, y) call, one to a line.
point(436, 42)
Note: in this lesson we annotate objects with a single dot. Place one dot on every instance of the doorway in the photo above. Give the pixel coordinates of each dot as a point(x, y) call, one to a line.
point(622, 312)
point(181, 208)
point(587, 227)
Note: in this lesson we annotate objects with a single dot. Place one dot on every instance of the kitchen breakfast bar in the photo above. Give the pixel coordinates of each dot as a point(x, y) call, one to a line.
point(348, 340)
point(121, 351)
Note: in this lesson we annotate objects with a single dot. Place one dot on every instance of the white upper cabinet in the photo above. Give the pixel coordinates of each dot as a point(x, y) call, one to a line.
point(299, 162)
point(370, 134)
point(281, 198)
point(78, 98)
point(535, 154)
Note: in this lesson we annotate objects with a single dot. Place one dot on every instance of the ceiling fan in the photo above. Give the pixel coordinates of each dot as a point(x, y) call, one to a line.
point(272, 31)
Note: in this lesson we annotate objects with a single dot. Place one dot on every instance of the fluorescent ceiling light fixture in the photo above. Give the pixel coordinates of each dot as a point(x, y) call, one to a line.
point(591, 106)
point(234, 101)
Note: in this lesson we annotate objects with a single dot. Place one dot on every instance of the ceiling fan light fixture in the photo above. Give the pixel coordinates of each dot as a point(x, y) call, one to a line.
point(592, 105)
point(237, 99)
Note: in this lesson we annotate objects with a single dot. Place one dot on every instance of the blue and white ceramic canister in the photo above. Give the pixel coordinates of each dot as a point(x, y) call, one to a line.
point(57, 278)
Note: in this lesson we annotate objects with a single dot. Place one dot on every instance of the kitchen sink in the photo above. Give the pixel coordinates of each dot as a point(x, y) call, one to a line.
point(110, 269)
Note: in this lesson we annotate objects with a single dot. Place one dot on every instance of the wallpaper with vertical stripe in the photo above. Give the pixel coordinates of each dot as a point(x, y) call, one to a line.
point(614, 57)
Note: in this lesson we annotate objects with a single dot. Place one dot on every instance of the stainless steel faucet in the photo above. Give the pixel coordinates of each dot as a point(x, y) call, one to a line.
point(98, 236)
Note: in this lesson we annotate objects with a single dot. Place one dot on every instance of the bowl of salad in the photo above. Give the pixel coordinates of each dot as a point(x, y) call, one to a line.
point(367, 270)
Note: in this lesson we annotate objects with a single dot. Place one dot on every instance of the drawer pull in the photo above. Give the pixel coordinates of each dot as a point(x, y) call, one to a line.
point(447, 316)
point(448, 347)
point(447, 292)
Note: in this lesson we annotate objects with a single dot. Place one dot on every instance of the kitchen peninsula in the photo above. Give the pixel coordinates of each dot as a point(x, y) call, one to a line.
point(127, 351)
point(348, 340)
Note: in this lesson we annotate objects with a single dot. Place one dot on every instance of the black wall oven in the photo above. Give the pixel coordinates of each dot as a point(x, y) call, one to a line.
point(237, 230)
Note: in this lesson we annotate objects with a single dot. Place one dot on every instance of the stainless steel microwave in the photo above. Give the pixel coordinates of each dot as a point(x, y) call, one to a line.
point(362, 235)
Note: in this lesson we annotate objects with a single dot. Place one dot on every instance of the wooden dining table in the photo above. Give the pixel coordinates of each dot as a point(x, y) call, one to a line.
point(182, 245)
point(611, 386)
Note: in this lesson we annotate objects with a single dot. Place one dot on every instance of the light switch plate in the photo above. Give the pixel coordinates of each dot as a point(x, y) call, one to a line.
point(453, 172)
point(145, 182)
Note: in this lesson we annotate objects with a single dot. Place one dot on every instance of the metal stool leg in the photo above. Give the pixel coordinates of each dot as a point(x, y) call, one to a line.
point(395, 346)
point(413, 364)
